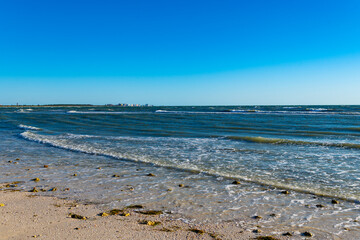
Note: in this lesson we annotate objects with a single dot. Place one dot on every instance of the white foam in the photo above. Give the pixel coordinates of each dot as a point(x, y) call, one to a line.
point(28, 127)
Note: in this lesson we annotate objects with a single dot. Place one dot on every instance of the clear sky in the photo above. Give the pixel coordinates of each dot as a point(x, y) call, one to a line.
point(180, 52)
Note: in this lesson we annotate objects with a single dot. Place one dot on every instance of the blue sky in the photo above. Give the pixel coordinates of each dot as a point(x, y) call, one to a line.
point(180, 52)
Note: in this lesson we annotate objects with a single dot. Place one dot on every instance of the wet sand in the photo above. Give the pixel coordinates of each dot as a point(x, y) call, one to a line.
point(25, 215)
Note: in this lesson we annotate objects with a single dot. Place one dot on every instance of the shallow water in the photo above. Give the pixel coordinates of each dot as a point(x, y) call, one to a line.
point(312, 151)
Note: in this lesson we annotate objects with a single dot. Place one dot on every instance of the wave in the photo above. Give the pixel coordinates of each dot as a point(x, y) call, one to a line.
point(292, 142)
point(21, 110)
point(318, 109)
point(83, 143)
point(64, 141)
point(28, 127)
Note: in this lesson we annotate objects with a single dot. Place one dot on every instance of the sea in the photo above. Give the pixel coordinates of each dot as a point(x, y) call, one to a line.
point(291, 162)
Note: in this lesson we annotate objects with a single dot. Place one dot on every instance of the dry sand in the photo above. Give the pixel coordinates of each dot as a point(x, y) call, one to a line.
point(26, 215)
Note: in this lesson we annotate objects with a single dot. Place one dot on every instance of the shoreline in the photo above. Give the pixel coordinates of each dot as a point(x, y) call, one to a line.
point(26, 215)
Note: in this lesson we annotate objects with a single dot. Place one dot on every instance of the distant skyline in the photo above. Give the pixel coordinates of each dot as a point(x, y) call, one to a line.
point(180, 52)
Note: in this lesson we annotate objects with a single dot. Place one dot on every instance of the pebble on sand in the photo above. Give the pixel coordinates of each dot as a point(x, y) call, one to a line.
point(307, 234)
point(104, 214)
point(76, 216)
point(198, 231)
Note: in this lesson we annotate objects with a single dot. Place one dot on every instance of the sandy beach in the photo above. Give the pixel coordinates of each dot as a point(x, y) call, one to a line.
point(24, 215)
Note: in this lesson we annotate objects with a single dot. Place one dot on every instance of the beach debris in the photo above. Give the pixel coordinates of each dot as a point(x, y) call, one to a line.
point(2, 204)
point(99, 168)
point(273, 215)
point(42, 190)
point(76, 228)
point(334, 201)
point(285, 192)
point(131, 188)
point(257, 217)
point(76, 216)
point(266, 238)
point(115, 175)
point(257, 231)
point(34, 190)
point(320, 206)
point(66, 189)
point(151, 212)
point(18, 159)
point(125, 214)
point(287, 234)
point(74, 174)
point(195, 230)
point(181, 185)
point(214, 236)
point(10, 161)
point(104, 214)
point(149, 223)
point(169, 189)
point(150, 175)
point(53, 189)
point(36, 179)
point(236, 182)
point(134, 206)
point(46, 166)
point(15, 162)
point(307, 234)
point(115, 211)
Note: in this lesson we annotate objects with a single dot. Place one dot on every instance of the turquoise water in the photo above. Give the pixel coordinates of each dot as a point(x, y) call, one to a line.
point(307, 149)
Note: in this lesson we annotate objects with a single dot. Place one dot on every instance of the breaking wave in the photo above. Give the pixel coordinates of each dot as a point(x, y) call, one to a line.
point(28, 127)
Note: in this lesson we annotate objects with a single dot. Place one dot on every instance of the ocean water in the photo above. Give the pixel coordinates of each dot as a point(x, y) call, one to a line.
point(312, 151)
